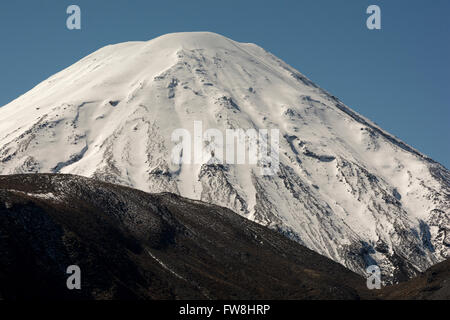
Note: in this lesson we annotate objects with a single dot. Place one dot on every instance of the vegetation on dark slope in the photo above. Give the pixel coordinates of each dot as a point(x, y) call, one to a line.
point(134, 245)
point(433, 284)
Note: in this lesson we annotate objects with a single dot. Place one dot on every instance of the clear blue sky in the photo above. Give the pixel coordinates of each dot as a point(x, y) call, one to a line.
point(397, 76)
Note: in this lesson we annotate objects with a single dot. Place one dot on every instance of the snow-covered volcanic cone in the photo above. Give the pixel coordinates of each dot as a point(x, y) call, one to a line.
point(345, 188)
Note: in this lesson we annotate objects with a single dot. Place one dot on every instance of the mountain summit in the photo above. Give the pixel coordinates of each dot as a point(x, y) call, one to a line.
point(344, 188)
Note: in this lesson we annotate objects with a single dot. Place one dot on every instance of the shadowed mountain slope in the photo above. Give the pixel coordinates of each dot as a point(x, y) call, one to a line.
point(433, 284)
point(133, 245)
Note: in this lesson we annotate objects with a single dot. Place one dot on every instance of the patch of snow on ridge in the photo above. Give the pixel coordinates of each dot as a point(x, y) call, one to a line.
point(47, 196)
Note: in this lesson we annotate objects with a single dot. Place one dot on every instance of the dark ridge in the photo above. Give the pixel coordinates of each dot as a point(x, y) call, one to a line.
point(433, 284)
point(134, 245)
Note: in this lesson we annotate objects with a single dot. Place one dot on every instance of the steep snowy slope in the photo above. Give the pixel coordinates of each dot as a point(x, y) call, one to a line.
point(345, 188)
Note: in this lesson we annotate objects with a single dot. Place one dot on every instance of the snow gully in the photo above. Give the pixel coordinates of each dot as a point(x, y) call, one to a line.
point(209, 147)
